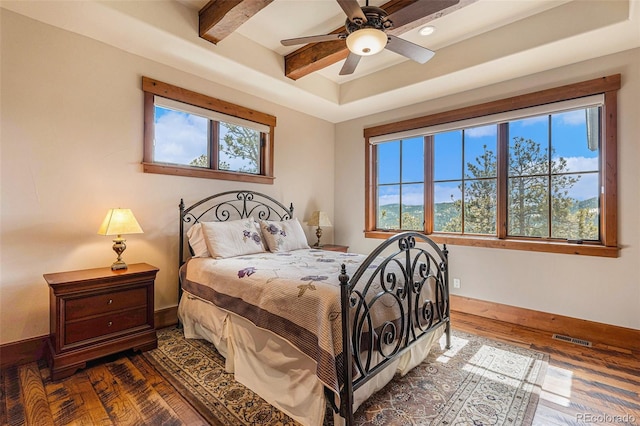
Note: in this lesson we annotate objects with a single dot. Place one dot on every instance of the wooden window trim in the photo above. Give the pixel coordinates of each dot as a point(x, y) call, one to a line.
point(153, 87)
point(608, 245)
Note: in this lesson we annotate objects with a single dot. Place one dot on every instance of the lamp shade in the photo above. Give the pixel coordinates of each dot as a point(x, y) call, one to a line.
point(367, 41)
point(319, 218)
point(119, 222)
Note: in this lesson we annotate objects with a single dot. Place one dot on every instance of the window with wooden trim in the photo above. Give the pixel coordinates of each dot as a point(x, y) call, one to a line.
point(190, 134)
point(536, 172)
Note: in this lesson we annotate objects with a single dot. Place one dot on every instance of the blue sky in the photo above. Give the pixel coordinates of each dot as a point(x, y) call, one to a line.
point(569, 135)
point(181, 137)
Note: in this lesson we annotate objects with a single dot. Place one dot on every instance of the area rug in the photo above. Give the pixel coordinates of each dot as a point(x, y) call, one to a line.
point(478, 381)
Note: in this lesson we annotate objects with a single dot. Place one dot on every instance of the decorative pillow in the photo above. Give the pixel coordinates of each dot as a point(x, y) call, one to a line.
point(233, 238)
point(283, 236)
point(197, 241)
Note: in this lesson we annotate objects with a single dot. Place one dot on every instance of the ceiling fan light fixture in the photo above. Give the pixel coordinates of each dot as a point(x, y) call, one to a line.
point(367, 41)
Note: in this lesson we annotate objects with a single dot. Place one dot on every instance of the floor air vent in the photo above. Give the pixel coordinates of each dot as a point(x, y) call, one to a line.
point(569, 339)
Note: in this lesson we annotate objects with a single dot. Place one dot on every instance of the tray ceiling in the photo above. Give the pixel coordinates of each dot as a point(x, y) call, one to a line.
point(480, 43)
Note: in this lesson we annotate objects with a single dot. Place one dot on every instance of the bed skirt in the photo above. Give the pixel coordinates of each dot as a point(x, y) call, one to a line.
point(273, 368)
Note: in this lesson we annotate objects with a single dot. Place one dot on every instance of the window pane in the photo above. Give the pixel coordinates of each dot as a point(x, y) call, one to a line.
point(529, 146)
point(239, 149)
point(447, 207)
point(388, 169)
point(413, 207)
point(574, 207)
point(389, 207)
point(413, 160)
point(180, 138)
point(480, 199)
point(480, 144)
point(447, 156)
point(576, 143)
point(528, 209)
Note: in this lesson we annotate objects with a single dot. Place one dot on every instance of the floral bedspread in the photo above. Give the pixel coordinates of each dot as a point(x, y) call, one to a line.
point(293, 294)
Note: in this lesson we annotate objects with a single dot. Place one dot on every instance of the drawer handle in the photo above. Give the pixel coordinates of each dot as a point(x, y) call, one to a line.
point(110, 301)
point(110, 324)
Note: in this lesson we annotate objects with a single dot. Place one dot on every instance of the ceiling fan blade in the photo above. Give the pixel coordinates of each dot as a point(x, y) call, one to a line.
point(352, 10)
point(419, 9)
point(410, 50)
point(350, 64)
point(311, 39)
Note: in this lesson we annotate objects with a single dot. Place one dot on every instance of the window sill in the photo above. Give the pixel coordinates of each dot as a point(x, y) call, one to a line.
point(513, 244)
point(165, 169)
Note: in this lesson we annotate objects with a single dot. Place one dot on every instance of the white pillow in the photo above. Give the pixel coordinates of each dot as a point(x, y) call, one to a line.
point(283, 236)
point(197, 241)
point(232, 238)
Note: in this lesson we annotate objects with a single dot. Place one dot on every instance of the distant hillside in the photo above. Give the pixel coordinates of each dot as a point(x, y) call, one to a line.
point(444, 212)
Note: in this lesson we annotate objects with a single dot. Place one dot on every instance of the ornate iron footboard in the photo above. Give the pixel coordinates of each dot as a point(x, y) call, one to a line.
point(413, 284)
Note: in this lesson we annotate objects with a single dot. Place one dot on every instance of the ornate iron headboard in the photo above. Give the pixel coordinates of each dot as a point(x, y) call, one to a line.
point(229, 205)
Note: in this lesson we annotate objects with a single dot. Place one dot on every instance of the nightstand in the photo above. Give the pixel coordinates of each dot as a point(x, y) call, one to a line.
point(334, 247)
point(98, 312)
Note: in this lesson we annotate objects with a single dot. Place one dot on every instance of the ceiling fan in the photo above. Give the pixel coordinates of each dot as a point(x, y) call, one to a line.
point(366, 31)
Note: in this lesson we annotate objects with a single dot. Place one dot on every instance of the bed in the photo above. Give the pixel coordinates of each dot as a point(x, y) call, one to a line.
point(275, 308)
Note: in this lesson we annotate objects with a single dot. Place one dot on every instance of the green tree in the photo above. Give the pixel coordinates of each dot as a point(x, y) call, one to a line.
point(480, 198)
point(200, 161)
point(244, 143)
point(412, 221)
point(480, 194)
point(529, 194)
point(203, 161)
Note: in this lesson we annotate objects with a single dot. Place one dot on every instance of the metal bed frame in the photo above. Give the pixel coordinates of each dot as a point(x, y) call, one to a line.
point(399, 281)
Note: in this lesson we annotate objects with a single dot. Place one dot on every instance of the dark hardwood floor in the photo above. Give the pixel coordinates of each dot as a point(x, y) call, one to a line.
point(594, 385)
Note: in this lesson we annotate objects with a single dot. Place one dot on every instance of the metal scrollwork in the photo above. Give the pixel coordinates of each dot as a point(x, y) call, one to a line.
point(227, 206)
point(392, 305)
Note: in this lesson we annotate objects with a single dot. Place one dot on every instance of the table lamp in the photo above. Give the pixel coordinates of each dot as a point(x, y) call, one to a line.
point(319, 219)
point(119, 222)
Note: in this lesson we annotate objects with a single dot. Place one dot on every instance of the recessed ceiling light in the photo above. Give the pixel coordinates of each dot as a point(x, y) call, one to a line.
point(427, 30)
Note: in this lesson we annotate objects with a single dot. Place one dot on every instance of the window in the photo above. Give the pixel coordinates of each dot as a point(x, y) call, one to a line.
point(535, 172)
point(400, 172)
point(190, 134)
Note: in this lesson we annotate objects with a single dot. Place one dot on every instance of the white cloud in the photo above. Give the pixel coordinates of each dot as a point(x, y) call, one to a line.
point(572, 118)
point(408, 199)
point(531, 121)
point(479, 132)
point(585, 188)
point(581, 164)
point(179, 137)
point(444, 193)
point(383, 200)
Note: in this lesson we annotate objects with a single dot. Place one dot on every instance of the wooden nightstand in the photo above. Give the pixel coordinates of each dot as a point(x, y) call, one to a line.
point(98, 312)
point(334, 247)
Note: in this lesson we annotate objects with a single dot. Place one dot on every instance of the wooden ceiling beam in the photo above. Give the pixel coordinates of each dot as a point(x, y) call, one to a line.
point(316, 56)
point(219, 18)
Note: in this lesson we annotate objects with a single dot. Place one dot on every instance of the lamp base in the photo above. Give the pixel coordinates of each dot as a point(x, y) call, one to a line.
point(119, 247)
point(119, 264)
point(318, 234)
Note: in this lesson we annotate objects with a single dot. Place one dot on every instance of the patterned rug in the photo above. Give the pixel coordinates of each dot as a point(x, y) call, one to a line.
point(477, 382)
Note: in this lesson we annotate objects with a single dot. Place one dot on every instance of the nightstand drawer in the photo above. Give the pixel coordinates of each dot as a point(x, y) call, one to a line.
point(105, 324)
point(108, 302)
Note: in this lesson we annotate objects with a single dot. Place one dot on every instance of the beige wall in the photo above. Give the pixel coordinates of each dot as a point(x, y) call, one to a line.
point(71, 126)
point(592, 288)
point(71, 146)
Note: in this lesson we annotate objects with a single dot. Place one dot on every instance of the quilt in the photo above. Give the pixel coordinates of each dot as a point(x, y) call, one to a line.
point(294, 294)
